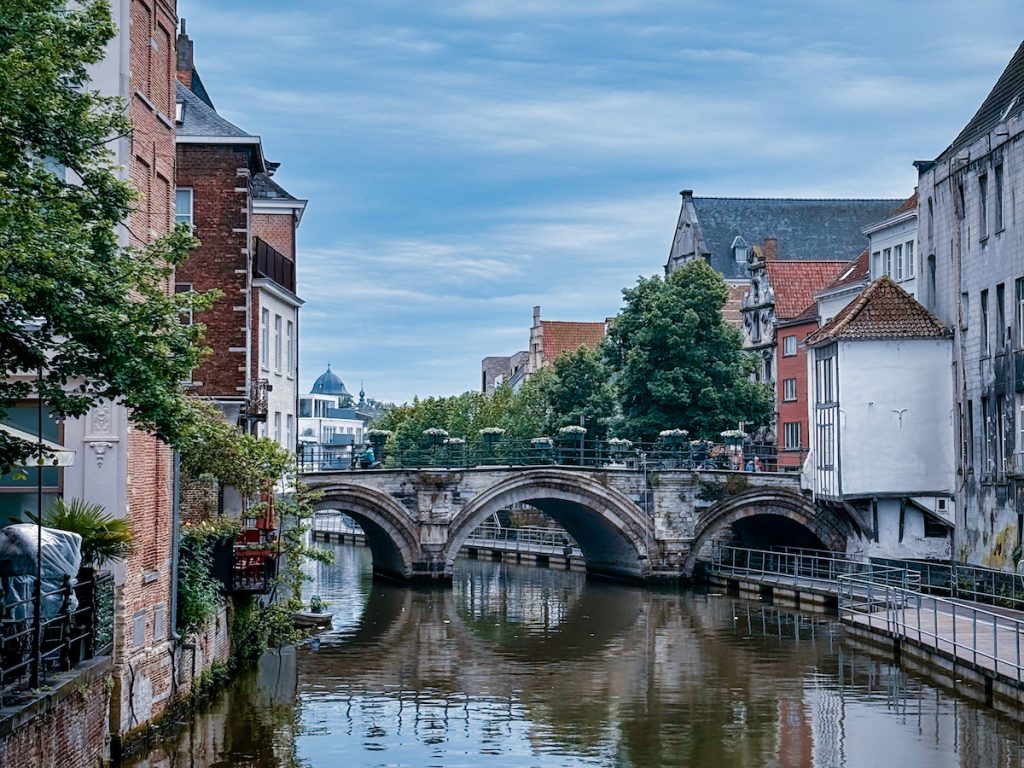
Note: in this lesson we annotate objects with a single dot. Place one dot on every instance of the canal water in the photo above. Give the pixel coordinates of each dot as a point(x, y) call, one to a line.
point(520, 666)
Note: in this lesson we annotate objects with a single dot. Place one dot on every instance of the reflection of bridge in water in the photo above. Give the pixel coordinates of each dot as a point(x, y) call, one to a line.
point(629, 523)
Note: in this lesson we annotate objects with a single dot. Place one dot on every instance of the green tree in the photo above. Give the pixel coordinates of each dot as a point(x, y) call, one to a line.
point(679, 363)
point(580, 385)
point(96, 316)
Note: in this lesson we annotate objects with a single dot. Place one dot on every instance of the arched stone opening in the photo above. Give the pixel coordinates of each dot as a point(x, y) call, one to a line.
point(772, 514)
point(611, 530)
point(390, 533)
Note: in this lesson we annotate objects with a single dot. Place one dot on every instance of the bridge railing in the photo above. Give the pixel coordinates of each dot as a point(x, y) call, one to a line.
point(987, 639)
point(1004, 589)
point(458, 454)
point(525, 538)
point(780, 565)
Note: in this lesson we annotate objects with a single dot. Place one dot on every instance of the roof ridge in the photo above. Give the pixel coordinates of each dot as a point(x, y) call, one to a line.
point(804, 199)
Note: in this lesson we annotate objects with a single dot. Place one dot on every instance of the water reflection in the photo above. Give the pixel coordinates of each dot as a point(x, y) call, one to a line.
point(523, 666)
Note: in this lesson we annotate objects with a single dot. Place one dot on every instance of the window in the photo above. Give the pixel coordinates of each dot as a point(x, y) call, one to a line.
point(179, 112)
point(988, 436)
point(1000, 316)
point(931, 220)
point(1019, 299)
point(887, 261)
point(789, 346)
point(1020, 429)
point(970, 434)
point(305, 408)
point(186, 314)
point(897, 262)
point(277, 343)
point(825, 375)
point(768, 375)
point(791, 432)
point(789, 390)
point(290, 346)
point(876, 264)
point(183, 206)
point(983, 206)
point(997, 201)
point(935, 528)
point(984, 322)
point(290, 432)
point(277, 427)
point(265, 339)
point(965, 311)
point(961, 200)
point(908, 254)
point(931, 281)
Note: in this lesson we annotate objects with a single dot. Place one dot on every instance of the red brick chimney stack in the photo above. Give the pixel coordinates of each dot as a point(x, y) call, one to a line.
point(185, 61)
point(770, 251)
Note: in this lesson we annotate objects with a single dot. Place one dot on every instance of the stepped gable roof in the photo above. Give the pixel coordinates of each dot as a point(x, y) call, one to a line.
point(201, 120)
point(805, 228)
point(858, 271)
point(1005, 100)
point(794, 283)
point(561, 336)
point(328, 383)
point(883, 310)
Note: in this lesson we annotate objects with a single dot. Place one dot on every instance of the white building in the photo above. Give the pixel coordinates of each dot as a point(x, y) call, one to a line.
point(881, 413)
point(892, 243)
point(328, 424)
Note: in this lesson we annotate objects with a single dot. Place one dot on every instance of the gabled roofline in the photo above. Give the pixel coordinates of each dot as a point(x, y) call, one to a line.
point(900, 218)
point(246, 141)
point(296, 206)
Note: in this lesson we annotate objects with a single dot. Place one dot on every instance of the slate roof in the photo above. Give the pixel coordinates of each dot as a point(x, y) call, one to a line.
point(561, 336)
point(265, 188)
point(883, 310)
point(1004, 100)
point(858, 271)
point(328, 383)
point(805, 229)
point(794, 283)
point(200, 119)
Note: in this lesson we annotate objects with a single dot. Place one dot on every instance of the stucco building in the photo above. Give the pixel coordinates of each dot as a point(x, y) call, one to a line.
point(971, 274)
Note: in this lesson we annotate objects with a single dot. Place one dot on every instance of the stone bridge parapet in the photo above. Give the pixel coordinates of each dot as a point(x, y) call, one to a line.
point(628, 523)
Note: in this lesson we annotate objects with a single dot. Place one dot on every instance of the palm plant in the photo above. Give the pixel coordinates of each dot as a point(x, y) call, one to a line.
point(104, 538)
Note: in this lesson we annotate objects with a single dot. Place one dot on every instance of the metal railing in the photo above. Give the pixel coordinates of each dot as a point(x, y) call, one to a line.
point(577, 453)
point(966, 582)
point(795, 565)
point(530, 539)
point(987, 639)
point(70, 636)
point(336, 522)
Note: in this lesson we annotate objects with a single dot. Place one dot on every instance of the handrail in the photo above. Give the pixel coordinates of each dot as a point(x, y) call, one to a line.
point(457, 454)
point(970, 582)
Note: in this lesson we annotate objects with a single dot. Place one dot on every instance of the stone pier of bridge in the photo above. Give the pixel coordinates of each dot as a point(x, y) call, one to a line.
point(629, 524)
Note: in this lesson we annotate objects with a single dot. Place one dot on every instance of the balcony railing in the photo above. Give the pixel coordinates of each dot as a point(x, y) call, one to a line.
point(271, 263)
point(73, 634)
point(257, 404)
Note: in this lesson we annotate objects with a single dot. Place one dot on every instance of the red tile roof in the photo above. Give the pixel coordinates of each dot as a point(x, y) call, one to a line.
point(910, 204)
point(794, 283)
point(883, 310)
point(858, 272)
point(560, 336)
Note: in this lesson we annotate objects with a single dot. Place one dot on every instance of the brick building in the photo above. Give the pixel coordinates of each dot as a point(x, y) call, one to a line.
point(971, 275)
point(246, 224)
point(778, 312)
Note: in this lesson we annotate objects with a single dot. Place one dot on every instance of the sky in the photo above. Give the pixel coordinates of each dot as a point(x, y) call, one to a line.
point(465, 161)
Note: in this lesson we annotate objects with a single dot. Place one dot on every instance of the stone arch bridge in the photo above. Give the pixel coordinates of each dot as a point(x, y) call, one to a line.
point(628, 524)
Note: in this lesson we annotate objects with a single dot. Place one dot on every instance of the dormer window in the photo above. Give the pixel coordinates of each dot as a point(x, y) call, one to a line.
point(179, 112)
point(740, 250)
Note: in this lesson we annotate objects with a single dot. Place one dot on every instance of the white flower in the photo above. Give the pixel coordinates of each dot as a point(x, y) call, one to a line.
point(572, 429)
point(383, 433)
point(492, 431)
point(455, 441)
point(618, 442)
point(673, 433)
point(436, 431)
point(541, 441)
point(734, 434)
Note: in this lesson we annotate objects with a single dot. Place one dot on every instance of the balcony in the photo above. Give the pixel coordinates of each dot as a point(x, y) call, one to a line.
point(256, 404)
point(270, 263)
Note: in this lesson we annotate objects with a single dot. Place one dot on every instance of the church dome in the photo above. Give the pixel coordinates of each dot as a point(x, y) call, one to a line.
point(328, 383)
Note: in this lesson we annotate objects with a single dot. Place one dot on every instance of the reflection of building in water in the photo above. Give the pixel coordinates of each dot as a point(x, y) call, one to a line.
point(796, 738)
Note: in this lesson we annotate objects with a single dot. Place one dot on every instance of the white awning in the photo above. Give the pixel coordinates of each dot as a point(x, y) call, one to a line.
point(54, 454)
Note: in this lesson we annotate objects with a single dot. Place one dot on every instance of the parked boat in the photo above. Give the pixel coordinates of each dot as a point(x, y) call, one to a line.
point(311, 620)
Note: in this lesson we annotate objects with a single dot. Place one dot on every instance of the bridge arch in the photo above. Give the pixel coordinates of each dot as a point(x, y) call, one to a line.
point(612, 531)
point(391, 533)
point(832, 531)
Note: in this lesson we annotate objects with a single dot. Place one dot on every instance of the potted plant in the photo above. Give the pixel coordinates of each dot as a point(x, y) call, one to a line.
point(618, 446)
point(378, 437)
point(673, 436)
point(435, 435)
point(105, 538)
point(491, 434)
point(734, 437)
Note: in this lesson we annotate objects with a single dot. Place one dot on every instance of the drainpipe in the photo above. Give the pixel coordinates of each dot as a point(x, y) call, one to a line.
point(175, 540)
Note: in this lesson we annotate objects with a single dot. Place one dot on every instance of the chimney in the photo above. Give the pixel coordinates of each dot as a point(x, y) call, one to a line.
point(183, 46)
point(770, 250)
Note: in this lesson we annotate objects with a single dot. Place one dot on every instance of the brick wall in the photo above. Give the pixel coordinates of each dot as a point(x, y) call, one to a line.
point(218, 177)
point(66, 729)
point(277, 230)
point(793, 411)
